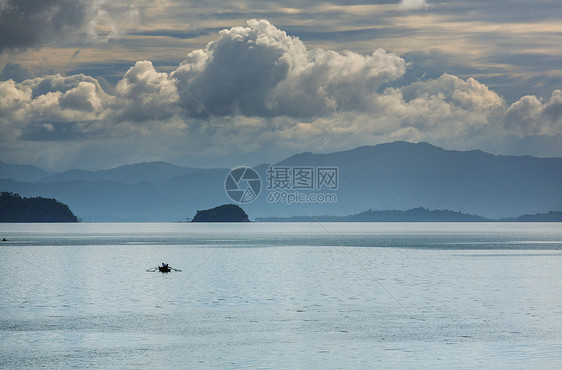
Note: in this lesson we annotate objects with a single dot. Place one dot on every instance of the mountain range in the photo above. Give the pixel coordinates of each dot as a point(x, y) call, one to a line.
point(398, 175)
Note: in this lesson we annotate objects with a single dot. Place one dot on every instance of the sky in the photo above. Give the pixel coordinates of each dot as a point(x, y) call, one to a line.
point(97, 84)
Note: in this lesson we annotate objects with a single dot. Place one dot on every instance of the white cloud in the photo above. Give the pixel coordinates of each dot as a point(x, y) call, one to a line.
point(14, 101)
point(274, 94)
point(62, 98)
point(531, 116)
point(261, 71)
point(443, 111)
point(51, 108)
point(413, 5)
point(145, 94)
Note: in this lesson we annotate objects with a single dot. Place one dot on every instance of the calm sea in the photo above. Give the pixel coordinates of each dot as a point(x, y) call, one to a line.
point(347, 295)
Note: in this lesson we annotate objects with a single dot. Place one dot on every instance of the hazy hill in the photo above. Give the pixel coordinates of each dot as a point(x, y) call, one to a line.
point(21, 172)
point(397, 175)
point(169, 200)
point(403, 175)
point(128, 174)
point(551, 216)
point(419, 214)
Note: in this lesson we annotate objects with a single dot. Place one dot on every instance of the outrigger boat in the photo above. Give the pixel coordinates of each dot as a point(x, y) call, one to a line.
point(163, 268)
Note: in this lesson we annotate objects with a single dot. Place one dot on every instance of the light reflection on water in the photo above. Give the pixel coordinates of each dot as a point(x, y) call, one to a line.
point(281, 295)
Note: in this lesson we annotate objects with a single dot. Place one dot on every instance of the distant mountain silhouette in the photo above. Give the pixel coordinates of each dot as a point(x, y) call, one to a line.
point(551, 216)
point(14, 208)
point(415, 215)
point(224, 213)
point(397, 175)
point(111, 201)
point(402, 175)
point(127, 174)
point(412, 215)
point(21, 172)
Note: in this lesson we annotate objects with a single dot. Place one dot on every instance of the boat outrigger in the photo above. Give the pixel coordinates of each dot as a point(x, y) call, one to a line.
point(163, 268)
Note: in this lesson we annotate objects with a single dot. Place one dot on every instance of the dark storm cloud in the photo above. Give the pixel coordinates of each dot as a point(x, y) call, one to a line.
point(26, 23)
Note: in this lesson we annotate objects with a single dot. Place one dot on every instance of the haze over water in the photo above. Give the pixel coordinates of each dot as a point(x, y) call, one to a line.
point(281, 295)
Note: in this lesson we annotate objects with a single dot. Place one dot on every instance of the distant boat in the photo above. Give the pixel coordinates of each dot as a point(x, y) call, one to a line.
point(165, 268)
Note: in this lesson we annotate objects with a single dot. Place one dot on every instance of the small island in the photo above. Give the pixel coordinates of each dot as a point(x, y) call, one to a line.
point(14, 208)
point(224, 213)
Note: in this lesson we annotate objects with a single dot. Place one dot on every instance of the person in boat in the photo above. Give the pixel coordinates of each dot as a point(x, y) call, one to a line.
point(164, 265)
point(4, 240)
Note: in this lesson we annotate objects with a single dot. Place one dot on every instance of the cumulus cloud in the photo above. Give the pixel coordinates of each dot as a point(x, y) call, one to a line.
point(275, 95)
point(65, 98)
point(145, 94)
point(446, 111)
point(51, 107)
point(468, 94)
point(446, 107)
point(413, 5)
point(532, 116)
point(259, 70)
point(14, 101)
